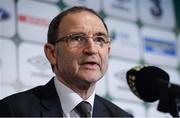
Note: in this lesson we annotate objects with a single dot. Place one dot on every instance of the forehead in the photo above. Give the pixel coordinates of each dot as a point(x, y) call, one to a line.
point(82, 21)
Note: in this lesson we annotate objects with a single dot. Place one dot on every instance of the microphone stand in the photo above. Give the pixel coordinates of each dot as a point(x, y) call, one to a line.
point(169, 96)
point(174, 91)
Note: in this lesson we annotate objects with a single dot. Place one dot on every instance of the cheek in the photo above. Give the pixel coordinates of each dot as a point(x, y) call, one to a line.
point(104, 60)
point(67, 60)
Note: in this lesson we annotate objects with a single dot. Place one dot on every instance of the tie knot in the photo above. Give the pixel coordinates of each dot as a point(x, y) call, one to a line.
point(84, 109)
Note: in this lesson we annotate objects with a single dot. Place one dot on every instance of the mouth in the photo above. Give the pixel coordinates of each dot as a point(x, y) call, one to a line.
point(91, 65)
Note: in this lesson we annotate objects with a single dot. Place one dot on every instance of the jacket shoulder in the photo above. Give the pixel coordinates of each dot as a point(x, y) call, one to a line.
point(21, 95)
point(19, 104)
point(38, 92)
point(28, 103)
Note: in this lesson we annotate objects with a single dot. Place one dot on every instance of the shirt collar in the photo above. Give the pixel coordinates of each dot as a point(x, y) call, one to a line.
point(68, 98)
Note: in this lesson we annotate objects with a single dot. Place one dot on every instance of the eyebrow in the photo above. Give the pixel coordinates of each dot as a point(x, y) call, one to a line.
point(100, 34)
point(96, 34)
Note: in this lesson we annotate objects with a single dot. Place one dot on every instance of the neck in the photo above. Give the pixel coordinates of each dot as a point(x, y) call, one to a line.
point(86, 92)
point(83, 89)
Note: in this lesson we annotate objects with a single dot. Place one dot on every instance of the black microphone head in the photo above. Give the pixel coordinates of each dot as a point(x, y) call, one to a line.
point(143, 81)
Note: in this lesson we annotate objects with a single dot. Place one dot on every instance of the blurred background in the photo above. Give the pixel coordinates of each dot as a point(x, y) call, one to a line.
point(142, 31)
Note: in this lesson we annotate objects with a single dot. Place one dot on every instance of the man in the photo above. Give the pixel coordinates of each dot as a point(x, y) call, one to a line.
point(78, 48)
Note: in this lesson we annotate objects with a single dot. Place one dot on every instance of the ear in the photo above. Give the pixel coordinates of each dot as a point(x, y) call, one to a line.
point(109, 50)
point(50, 53)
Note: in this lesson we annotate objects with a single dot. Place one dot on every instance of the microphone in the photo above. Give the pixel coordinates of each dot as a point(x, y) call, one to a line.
point(151, 83)
point(146, 81)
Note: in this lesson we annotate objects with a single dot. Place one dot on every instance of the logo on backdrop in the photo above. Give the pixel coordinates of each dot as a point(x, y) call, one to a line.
point(118, 36)
point(161, 47)
point(122, 5)
point(156, 10)
point(4, 15)
point(39, 62)
point(33, 20)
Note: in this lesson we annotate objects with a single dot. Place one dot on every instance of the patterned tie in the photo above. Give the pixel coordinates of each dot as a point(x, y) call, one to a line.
point(84, 109)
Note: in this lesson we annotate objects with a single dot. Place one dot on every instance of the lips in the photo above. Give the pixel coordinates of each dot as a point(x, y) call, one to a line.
point(90, 64)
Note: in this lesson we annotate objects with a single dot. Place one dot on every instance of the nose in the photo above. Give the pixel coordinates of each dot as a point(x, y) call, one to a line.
point(90, 47)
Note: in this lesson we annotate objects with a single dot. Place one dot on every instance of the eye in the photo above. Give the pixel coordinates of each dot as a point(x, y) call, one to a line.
point(77, 38)
point(100, 39)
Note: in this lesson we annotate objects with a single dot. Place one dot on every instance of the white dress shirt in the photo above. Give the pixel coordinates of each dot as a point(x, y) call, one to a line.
point(69, 99)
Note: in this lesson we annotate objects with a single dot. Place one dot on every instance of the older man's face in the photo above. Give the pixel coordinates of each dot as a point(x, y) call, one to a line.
point(85, 63)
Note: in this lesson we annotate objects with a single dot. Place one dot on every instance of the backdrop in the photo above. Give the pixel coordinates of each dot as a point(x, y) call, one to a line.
point(142, 31)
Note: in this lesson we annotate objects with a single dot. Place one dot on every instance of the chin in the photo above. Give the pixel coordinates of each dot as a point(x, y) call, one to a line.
point(92, 79)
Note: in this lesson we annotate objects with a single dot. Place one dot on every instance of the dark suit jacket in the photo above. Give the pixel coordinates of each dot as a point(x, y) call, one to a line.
point(43, 101)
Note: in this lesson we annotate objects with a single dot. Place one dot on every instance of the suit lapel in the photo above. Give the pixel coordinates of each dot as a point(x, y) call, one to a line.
point(49, 100)
point(51, 108)
point(99, 109)
point(50, 103)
